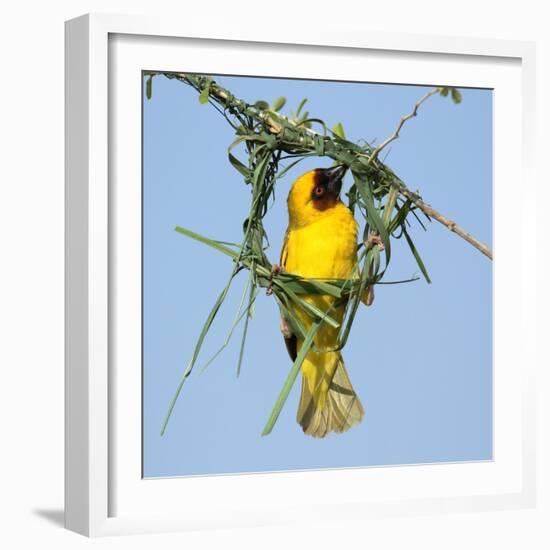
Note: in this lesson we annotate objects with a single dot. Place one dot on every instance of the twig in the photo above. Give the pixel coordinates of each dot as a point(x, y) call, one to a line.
point(402, 121)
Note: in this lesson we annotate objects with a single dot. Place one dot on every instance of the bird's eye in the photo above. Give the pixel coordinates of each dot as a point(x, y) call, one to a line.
point(319, 191)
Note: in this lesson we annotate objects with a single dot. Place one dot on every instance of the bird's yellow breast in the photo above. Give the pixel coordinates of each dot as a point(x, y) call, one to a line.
point(326, 248)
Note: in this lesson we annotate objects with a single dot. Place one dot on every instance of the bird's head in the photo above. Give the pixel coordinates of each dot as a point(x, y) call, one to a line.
point(314, 194)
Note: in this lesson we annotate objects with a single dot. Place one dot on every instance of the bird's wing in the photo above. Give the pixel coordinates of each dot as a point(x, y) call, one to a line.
point(289, 338)
point(284, 250)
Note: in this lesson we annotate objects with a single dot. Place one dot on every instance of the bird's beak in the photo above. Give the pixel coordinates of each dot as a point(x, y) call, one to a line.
point(334, 176)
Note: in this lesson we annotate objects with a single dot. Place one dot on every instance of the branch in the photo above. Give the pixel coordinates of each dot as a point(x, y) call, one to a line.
point(449, 224)
point(307, 140)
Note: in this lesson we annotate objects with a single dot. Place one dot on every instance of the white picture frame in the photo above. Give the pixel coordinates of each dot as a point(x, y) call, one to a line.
point(104, 491)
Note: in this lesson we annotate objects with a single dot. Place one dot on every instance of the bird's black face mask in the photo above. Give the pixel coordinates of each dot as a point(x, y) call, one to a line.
point(327, 186)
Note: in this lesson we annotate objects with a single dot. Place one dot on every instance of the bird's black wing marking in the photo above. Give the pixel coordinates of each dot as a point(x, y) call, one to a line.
point(284, 251)
point(292, 346)
point(291, 342)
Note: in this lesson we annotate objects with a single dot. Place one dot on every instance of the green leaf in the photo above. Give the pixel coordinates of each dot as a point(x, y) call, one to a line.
point(307, 123)
point(389, 206)
point(399, 219)
point(261, 104)
point(252, 298)
point(282, 172)
point(210, 242)
point(300, 107)
point(238, 165)
point(239, 315)
point(241, 130)
point(291, 378)
point(270, 141)
point(456, 95)
point(306, 306)
point(338, 130)
point(203, 97)
point(276, 117)
point(444, 92)
point(278, 104)
point(260, 170)
point(312, 286)
point(149, 87)
point(319, 145)
point(416, 256)
point(374, 217)
point(196, 351)
point(369, 260)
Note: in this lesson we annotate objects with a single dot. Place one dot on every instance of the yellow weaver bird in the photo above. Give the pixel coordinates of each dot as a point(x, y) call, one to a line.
point(321, 242)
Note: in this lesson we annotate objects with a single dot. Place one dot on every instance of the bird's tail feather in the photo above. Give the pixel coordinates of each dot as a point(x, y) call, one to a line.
point(336, 409)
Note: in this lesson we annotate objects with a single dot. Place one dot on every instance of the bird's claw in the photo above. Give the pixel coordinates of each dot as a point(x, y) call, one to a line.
point(374, 239)
point(275, 270)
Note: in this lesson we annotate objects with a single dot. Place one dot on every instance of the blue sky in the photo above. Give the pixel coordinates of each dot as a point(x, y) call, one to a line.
point(420, 358)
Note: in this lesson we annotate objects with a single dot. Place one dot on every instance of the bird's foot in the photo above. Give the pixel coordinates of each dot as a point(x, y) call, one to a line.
point(275, 270)
point(374, 239)
point(285, 328)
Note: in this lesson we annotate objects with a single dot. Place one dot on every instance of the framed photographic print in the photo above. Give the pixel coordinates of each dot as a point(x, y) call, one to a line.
point(295, 276)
